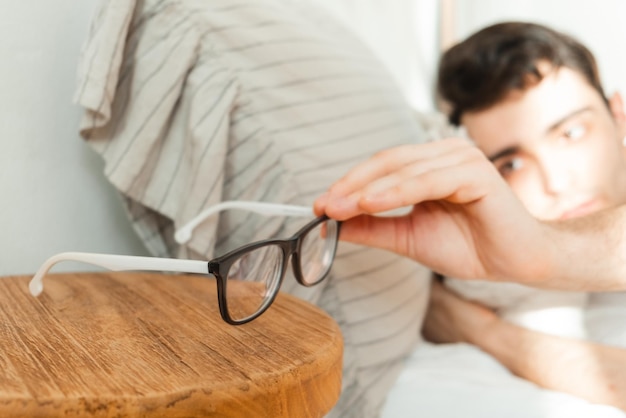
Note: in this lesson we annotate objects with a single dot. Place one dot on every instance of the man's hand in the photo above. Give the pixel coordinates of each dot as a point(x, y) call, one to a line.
point(465, 220)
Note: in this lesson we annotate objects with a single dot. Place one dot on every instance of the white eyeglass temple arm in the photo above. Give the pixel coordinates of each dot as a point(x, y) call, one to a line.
point(183, 234)
point(118, 263)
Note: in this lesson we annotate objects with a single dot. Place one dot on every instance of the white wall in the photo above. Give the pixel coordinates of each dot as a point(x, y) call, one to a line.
point(405, 36)
point(54, 197)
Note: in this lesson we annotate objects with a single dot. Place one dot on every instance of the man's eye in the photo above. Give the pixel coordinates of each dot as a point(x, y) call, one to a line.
point(510, 166)
point(575, 132)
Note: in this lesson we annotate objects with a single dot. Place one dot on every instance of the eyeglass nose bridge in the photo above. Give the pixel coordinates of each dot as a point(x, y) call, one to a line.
point(293, 256)
point(215, 269)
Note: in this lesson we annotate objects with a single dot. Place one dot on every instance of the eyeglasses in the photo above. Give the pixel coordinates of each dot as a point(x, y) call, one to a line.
point(248, 278)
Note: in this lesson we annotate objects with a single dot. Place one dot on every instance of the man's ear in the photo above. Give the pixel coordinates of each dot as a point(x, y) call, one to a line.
point(616, 104)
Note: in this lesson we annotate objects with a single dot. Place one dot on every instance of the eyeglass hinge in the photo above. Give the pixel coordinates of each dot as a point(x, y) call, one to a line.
point(214, 268)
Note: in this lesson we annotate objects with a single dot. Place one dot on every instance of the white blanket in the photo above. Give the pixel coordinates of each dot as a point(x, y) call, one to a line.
point(459, 380)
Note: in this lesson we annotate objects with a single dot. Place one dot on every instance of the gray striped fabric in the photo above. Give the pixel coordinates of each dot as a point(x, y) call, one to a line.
point(195, 102)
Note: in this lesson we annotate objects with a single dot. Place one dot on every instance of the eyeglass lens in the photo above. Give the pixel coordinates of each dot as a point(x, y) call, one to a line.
point(252, 280)
point(317, 251)
point(254, 277)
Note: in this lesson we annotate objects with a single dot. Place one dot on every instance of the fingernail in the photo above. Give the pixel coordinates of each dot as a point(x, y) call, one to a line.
point(375, 202)
point(320, 204)
point(373, 198)
point(346, 204)
point(321, 200)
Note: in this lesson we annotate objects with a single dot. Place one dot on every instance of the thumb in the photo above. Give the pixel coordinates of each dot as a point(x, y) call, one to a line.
point(375, 231)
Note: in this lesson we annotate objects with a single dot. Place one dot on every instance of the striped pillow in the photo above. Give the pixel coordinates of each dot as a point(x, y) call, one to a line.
point(192, 102)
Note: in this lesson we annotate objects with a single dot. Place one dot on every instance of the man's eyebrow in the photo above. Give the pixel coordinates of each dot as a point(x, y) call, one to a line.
point(515, 149)
point(504, 153)
point(565, 118)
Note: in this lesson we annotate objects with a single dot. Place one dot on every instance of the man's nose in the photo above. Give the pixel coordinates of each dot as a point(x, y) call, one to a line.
point(558, 174)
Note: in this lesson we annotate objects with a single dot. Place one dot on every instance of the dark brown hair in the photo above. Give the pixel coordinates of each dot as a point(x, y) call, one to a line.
point(480, 71)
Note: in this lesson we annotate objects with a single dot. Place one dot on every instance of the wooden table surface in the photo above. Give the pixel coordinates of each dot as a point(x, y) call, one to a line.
point(151, 345)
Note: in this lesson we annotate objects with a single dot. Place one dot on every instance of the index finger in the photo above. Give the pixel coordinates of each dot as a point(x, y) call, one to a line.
point(381, 165)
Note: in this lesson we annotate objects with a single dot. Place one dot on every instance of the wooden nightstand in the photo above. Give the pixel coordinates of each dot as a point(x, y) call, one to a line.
point(151, 345)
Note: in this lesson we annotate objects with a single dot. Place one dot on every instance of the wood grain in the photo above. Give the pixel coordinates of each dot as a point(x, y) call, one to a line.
point(151, 345)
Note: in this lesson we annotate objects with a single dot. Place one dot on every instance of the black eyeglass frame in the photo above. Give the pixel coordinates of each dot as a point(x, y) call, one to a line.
point(220, 266)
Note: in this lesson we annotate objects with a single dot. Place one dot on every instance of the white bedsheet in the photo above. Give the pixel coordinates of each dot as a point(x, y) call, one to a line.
point(459, 380)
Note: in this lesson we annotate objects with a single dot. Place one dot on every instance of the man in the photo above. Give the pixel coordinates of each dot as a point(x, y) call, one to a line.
point(533, 101)
point(537, 200)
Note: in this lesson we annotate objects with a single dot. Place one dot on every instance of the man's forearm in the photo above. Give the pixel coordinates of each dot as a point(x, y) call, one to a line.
point(586, 254)
point(594, 372)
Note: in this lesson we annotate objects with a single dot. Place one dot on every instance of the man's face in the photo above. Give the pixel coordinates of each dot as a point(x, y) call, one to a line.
point(557, 144)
